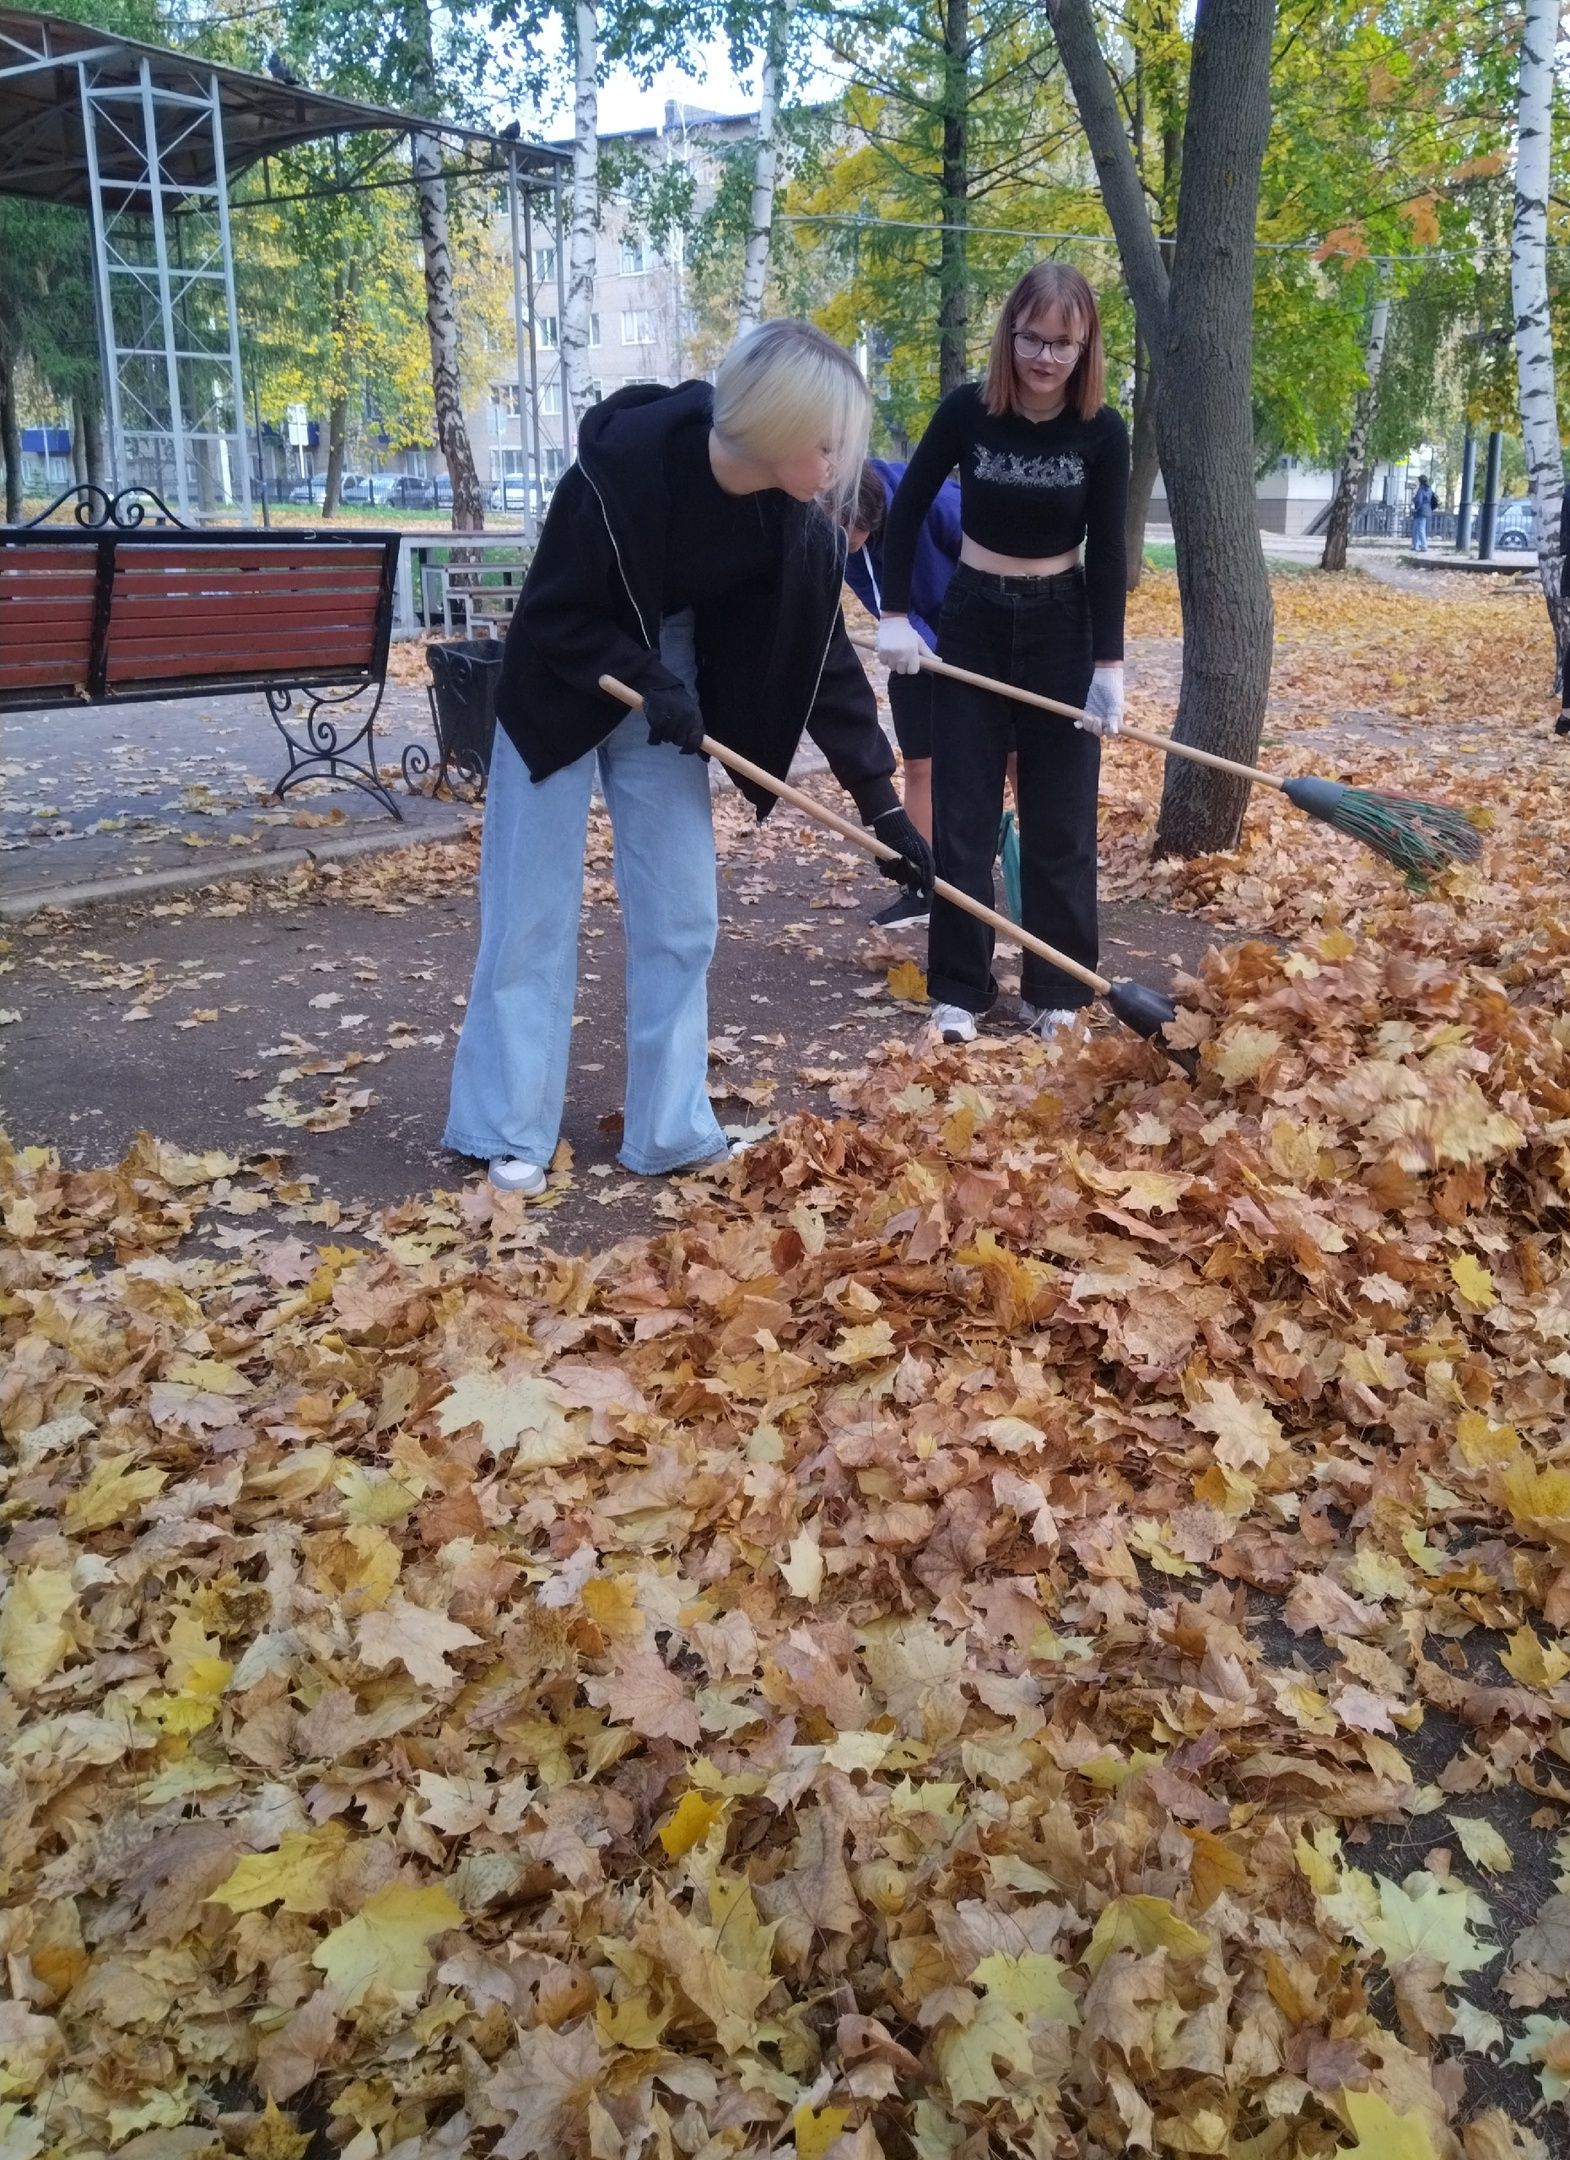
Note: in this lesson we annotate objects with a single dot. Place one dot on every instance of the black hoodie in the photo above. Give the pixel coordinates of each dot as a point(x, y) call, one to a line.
point(771, 660)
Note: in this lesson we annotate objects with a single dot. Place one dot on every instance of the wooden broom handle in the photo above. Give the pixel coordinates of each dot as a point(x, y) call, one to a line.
point(932, 665)
point(870, 844)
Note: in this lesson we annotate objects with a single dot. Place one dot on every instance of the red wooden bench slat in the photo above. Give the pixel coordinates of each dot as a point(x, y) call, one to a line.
point(133, 613)
point(134, 663)
point(24, 586)
point(83, 557)
point(364, 589)
point(19, 616)
point(57, 647)
point(42, 674)
point(233, 562)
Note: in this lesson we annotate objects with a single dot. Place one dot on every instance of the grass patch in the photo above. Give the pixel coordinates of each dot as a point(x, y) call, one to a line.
point(1162, 555)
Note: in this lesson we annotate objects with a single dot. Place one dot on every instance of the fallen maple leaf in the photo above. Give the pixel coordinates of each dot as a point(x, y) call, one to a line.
point(414, 1637)
point(385, 1944)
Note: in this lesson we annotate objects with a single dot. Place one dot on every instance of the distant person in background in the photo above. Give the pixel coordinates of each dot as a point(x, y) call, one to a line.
point(1422, 510)
point(910, 696)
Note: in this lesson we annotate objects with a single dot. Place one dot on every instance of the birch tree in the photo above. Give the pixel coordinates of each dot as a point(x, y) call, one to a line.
point(1197, 324)
point(760, 222)
point(1534, 350)
point(1339, 529)
point(583, 235)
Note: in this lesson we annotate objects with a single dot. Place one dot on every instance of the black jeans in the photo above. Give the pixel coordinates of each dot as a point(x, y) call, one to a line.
point(1033, 632)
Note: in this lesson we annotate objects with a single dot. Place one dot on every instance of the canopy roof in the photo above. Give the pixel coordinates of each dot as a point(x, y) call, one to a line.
point(43, 147)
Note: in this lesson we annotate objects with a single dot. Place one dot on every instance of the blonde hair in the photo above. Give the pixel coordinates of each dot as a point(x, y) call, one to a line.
point(785, 387)
point(1048, 284)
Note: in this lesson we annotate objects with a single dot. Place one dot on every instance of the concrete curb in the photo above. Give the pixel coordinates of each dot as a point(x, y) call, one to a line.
point(113, 890)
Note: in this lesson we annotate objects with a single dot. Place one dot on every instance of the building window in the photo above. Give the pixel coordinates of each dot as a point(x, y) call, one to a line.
point(544, 264)
point(635, 258)
point(504, 396)
point(417, 463)
point(594, 331)
point(552, 458)
point(512, 465)
point(496, 465)
point(549, 331)
point(550, 396)
point(637, 326)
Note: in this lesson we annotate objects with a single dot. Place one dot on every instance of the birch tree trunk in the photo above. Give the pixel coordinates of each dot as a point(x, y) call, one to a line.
point(441, 324)
point(1354, 464)
point(578, 311)
point(1534, 351)
point(760, 218)
point(1198, 325)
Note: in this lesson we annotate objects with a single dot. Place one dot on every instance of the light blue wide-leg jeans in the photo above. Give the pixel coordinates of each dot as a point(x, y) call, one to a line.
point(510, 1074)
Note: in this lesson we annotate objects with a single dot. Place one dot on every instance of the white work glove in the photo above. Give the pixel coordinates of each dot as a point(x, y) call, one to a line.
point(899, 645)
point(1104, 705)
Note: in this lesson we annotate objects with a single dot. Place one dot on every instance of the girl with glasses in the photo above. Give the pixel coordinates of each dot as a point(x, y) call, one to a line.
point(1043, 474)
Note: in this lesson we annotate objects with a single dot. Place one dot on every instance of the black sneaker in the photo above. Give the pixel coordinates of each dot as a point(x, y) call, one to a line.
point(1561, 727)
point(908, 912)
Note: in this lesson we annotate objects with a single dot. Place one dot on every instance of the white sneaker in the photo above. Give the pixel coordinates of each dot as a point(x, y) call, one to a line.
point(1046, 1024)
point(952, 1024)
point(510, 1173)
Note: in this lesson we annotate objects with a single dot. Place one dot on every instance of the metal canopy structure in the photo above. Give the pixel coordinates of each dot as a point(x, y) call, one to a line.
point(147, 141)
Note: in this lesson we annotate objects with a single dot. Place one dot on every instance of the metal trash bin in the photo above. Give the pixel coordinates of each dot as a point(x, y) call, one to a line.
point(462, 693)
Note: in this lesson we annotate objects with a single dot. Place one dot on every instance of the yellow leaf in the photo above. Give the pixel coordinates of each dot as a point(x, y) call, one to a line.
point(966, 2053)
point(612, 1603)
point(1241, 1052)
point(803, 1571)
point(33, 1644)
point(1480, 1442)
point(276, 2138)
point(1142, 1924)
point(211, 1375)
point(1382, 2134)
point(1245, 1431)
point(1538, 1496)
point(907, 983)
point(1482, 1844)
point(384, 1945)
point(817, 2130)
point(1528, 1661)
point(1031, 1985)
point(1473, 1281)
point(861, 1345)
point(377, 1496)
point(694, 1818)
point(298, 1875)
point(113, 1491)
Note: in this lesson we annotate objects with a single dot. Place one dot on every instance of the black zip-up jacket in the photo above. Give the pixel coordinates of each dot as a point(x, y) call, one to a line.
point(772, 659)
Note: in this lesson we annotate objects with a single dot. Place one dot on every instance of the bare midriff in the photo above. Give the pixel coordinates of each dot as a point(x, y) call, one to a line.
point(982, 558)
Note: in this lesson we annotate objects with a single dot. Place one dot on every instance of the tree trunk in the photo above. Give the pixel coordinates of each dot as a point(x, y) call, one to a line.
point(577, 314)
point(337, 440)
point(1534, 349)
point(10, 439)
point(441, 323)
point(78, 440)
point(760, 219)
point(1354, 465)
point(953, 291)
point(1198, 325)
point(1144, 462)
point(1207, 434)
point(93, 442)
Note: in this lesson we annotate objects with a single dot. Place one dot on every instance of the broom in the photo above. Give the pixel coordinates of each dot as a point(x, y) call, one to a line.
point(1148, 1012)
point(1418, 837)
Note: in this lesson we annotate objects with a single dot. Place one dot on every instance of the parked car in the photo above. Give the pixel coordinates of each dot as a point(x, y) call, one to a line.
point(515, 493)
point(308, 491)
point(412, 491)
point(1516, 525)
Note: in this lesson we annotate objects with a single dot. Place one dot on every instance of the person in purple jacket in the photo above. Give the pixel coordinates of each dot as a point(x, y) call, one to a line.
point(910, 696)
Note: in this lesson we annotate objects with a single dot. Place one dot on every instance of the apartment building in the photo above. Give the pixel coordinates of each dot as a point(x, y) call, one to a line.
point(642, 323)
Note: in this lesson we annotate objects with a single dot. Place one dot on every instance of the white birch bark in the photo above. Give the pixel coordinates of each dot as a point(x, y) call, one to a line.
point(760, 221)
point(1534, 349)
point(584, 231)
point(1339, 530)
point(441, 323)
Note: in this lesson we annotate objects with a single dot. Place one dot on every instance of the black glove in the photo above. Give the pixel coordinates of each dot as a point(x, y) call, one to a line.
point(913, 867)
point(673, 717)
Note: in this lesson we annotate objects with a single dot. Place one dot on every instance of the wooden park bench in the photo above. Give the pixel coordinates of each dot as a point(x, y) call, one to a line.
point(117, 605)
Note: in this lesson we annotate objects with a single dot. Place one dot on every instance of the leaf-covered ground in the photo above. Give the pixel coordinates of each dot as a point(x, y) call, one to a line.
point(1034, 1619)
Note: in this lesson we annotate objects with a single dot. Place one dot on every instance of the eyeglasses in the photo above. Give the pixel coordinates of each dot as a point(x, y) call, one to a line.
point(1060, 351)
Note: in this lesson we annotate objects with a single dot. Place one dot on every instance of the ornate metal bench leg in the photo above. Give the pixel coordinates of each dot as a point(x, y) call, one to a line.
point(322, 748)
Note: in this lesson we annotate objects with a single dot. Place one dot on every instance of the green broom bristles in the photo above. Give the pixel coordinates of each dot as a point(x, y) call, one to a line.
point(1421, 838)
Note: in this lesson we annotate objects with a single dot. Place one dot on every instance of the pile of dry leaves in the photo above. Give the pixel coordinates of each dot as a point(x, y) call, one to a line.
point(1036, 1621)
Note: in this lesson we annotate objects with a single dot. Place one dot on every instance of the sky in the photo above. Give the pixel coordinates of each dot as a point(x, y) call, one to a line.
point(624, 103)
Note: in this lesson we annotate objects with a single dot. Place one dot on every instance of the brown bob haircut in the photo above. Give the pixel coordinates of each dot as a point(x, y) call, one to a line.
point(1048, 284)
